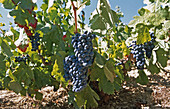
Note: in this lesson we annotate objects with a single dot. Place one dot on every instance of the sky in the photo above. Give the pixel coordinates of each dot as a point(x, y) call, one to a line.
point(128, 7)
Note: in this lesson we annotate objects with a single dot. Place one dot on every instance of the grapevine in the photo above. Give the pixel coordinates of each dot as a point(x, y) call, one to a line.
point(59, 53)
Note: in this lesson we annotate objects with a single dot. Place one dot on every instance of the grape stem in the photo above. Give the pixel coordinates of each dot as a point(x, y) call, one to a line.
point(75, 15)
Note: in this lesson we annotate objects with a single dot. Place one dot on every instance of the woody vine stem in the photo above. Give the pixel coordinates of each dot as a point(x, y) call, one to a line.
point(75, 15)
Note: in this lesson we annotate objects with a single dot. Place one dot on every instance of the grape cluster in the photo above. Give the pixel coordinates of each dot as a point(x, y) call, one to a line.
point(139, 50)
point(34, 41)
point(20, 59)
point(138, 54)
point(76, 66)
point(149, 46)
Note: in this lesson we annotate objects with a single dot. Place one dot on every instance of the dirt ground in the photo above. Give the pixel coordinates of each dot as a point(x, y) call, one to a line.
point(155, 95)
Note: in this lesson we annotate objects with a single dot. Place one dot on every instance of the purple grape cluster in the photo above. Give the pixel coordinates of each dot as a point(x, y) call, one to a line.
point(34, 41)
point(149, 46)
point(20, 59)
point(138, 54)
point(76, 66)
point(139, 50)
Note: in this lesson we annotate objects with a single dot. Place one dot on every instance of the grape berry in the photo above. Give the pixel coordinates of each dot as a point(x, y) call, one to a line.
point(34, 41)
point(76, 66)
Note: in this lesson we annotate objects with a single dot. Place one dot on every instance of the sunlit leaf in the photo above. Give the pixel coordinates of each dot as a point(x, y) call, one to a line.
point(143, 34)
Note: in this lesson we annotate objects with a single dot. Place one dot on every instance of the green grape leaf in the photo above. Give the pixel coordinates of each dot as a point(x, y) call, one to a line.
point(97, 22)
point(137, 19)
point(161, 57)
point(34, 56)
point(44, 7)
point(153, 68)
point(15, 86)
point(60, 57)
point(105, 15)
point(31, 19)
point(27, 4)
point(119, 73)
point(5, 47)
point(38, 96)
point(95, 44)
point(142, 78)
point(55, 69)
point(117, 84)
point(155, 18)
point(125, 49)
point(24, 74)
point(113, 16)
point(16, 33)
point(53, 36)
point(106, 85)
point(20, 16)
point(99, 60)
point(29, 72)
point(96, 72)
point(6, 81)
point(53, 16)
point(87, 95)
point(109, 70)
point(23, 92)
point(143, 34)
point(141, 11)
point(2, 62)
point(56, 72)
point(43, 81)
point(16, 1)
point(46, 1)
point(8, 4)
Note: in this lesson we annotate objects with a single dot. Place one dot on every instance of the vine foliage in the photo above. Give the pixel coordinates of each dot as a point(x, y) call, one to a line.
point(55, 27)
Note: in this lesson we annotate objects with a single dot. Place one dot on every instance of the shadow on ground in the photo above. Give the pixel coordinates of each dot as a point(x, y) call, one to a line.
point(154, 95)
